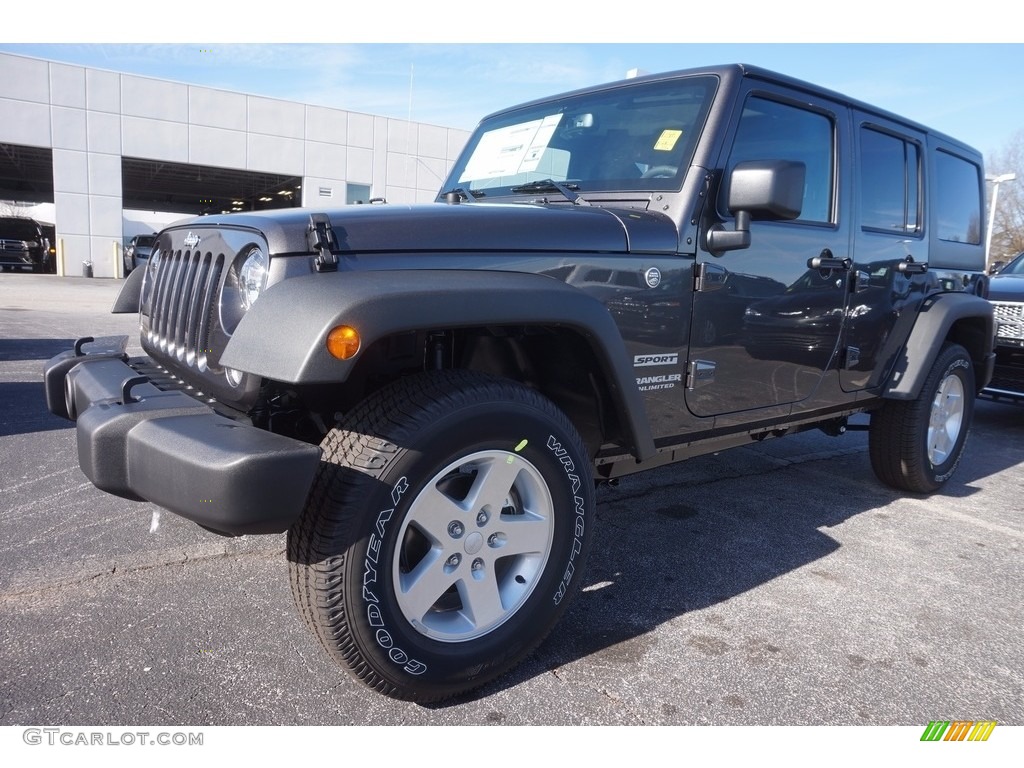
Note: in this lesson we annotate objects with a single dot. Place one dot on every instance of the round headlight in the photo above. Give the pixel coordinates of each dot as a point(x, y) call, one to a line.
point(252, 277)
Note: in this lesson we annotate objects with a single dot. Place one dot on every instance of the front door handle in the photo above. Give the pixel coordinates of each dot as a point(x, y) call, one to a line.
point(825, 260)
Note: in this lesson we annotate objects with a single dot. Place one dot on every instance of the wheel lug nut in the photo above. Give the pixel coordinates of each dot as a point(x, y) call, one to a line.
point(482, 517)
point(455, 529)
point(478, 565)
point(454, 560)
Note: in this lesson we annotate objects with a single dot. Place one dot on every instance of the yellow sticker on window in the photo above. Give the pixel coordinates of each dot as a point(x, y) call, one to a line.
point(667, 141)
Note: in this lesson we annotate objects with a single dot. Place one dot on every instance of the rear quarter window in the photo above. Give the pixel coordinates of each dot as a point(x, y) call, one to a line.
point(958, 199)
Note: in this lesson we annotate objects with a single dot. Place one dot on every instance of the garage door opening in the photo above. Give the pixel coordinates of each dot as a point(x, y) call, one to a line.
point(26, 174)
point(26, 207)
point(155, 185)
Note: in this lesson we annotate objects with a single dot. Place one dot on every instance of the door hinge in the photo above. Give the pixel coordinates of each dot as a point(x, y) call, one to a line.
point(699, 373)
point(699, 272)
point(861, 281)
point(708, 277)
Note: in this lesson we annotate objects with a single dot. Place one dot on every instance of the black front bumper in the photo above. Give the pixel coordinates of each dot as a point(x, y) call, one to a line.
point(147, 444)
point(1008, 377)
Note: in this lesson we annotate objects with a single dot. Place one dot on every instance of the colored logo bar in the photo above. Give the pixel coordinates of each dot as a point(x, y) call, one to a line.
point(958, 730)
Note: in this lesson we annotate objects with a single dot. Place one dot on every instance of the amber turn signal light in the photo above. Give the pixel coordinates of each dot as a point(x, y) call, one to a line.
point(343, 342)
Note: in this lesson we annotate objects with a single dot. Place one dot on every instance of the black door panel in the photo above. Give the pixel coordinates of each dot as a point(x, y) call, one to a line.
point(769, 322)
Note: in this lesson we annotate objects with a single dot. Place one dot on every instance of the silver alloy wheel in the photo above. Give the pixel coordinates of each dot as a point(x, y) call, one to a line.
point(946, 419)
point(473, 546)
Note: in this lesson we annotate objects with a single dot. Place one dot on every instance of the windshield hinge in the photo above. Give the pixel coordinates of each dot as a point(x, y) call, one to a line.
point(321, 239)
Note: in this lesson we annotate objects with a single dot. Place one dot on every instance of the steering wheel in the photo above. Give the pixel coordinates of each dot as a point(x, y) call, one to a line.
point(659, 172)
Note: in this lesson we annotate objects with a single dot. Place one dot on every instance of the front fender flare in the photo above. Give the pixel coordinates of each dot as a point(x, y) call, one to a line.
point(129, 298)
point(283, 336)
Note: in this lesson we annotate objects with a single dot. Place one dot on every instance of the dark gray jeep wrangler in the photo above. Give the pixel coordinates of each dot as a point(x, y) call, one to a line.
point(610, 280)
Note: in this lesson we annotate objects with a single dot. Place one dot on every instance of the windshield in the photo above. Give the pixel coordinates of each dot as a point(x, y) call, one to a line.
point(637, 136)
point(1015, 267)
point(19, 229)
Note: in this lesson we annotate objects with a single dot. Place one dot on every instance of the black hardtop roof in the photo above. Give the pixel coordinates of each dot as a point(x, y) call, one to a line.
point(731, 72)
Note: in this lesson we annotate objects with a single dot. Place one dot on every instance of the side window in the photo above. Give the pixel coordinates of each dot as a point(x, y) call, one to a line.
point(770, 130)
point(958, 203)
point(890, 174)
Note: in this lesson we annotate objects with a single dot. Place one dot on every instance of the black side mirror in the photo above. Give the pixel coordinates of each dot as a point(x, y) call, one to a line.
point(758, 189)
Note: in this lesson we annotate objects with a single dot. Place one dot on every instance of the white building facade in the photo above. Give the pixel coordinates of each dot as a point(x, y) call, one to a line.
point(93, 119)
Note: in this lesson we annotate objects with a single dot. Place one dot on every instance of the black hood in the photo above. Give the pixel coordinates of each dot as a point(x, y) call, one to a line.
point(466, 227)
point(1006, 288)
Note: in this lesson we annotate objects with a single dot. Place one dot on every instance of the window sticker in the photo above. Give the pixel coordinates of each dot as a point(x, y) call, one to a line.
point(511, 150)
point(667, 141)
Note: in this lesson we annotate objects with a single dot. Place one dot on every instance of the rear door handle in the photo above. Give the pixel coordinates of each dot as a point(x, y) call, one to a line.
point(910, 267)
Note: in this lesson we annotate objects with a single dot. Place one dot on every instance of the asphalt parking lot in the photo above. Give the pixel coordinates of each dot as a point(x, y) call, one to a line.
point(775, 584)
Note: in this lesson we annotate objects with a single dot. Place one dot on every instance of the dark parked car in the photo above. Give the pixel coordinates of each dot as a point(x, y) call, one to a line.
point(23, 245)
point(1006, 292)
point(138, 252)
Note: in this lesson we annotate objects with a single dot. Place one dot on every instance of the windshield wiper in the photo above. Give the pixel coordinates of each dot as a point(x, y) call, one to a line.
point(568, 189)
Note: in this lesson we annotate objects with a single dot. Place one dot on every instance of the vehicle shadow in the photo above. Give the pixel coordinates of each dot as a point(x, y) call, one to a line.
point(677, 548)
point(985, 455)
point(23, 410)
point(33, 349)
point(23, 403)
point(661, 554)
point(987, 451)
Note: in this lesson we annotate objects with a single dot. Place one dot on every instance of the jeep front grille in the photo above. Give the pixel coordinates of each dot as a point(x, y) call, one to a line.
point(183, 308)
point(1009, 318)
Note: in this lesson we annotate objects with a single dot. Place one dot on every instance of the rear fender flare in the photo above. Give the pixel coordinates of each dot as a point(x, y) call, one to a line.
point(962, 317)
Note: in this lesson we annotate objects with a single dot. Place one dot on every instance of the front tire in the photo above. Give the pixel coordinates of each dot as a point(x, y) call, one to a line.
point(445, 532)
point(916, 445)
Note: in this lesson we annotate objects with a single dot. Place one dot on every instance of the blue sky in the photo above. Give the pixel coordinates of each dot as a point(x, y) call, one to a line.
point(971, 90)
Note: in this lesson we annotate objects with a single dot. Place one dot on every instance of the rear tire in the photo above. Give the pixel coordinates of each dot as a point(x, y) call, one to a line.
point(444, 533)
point(916, 445)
